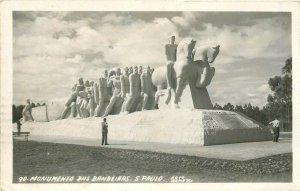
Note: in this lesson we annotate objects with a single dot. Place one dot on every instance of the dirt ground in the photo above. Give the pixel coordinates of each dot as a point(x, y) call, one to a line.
point(34, 162)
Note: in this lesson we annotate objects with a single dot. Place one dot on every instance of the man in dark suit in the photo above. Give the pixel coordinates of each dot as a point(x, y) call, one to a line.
point(104, 131)
point(19, 127)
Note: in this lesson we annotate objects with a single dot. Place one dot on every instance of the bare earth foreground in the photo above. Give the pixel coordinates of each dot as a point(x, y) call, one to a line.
point(40, 162)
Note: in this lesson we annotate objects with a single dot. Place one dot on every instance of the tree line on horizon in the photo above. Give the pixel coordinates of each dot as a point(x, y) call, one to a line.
point(278, 103)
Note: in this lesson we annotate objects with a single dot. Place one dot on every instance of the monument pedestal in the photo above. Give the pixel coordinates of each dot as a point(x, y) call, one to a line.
point(182, 126)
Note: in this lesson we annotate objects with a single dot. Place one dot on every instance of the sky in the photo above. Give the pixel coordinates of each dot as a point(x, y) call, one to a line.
point(51, 50)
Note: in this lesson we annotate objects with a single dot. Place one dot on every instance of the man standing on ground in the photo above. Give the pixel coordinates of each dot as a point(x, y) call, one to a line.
point(275, 125)
point(19, 126)
point(104, 131)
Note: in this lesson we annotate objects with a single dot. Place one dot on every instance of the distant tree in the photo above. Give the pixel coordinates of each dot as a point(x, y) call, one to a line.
point(280, 102)
point(228, 107)
point(287, 69)
point(17, 112)
point(217, 107)
point(14, 113)
point(239, 108)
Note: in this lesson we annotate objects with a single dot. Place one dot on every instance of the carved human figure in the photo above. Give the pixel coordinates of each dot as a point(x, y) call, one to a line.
point(146, 87)
point(125, 86)
point(27, 116)
point(170, 56)
point(138, 105)
point(134, 90)
point(79, 99)
point(130, 70)
point(70, 103)
point(103, 93)
point(85, 99)
point(86, 84)
point(91, 99)
point(96, 96)
point(140, 70)
point(114, 80)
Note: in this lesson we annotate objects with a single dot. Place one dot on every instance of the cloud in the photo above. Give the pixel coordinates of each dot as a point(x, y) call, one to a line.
point(53, 49)
point(186, 19)
point(76, 59)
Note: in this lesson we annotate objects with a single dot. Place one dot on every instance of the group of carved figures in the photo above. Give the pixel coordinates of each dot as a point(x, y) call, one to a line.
point(114, 92)
point(138, 88)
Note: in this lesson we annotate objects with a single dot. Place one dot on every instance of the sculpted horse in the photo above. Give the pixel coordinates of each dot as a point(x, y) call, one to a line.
point(191, 67)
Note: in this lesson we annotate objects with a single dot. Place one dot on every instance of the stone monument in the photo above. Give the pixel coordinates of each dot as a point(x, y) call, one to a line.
point(182, 81)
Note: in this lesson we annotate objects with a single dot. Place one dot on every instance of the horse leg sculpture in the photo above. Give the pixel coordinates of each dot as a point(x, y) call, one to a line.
point(181, 84)
point(205, 76)
point(212, 73)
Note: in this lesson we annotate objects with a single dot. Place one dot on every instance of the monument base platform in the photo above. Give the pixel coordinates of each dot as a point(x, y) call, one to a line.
point(182, 126)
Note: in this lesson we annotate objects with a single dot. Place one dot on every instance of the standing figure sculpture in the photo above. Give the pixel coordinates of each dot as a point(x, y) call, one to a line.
point(134, 90)
point(140, 70)
point(130, 70)
point(113, 80)
point(79, 99)
point(70, 104)
point(138, 105)
point(27, 116)
point(103, 93)
point(170, 53)
point(91, 99)
point(146, 88)
point(85, 100)
point(124, 87)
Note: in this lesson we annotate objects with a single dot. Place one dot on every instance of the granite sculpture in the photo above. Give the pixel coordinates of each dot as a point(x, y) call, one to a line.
point(79, 99)
point(125, 88)
point(27, 116)
point(147, 89)
point(102, 94)
point(134, 90)
point(115, 82)
point(192, 67)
